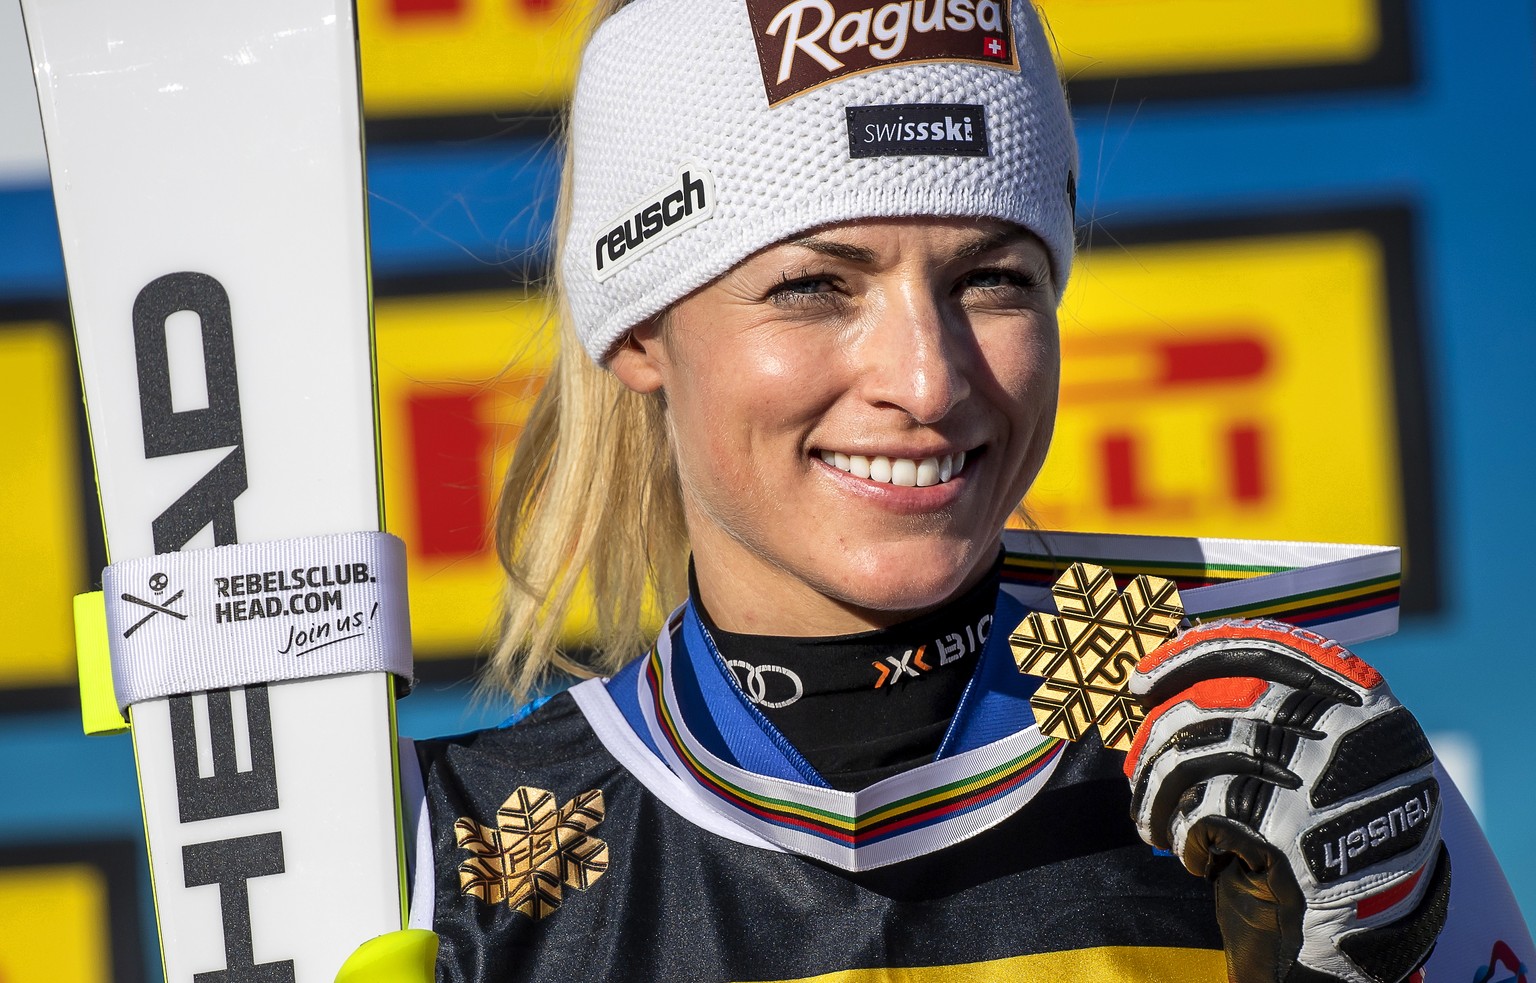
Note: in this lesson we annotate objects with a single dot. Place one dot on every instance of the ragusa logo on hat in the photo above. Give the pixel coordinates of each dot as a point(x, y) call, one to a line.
point(802, 44)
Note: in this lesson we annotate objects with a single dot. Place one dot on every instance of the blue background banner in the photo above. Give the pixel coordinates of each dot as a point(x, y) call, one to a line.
point(1445, 138)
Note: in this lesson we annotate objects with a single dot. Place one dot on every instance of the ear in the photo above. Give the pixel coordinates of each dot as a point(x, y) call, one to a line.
point(640, 360)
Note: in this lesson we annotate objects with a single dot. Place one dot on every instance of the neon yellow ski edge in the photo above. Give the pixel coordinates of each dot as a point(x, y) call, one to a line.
point(98, 700)
point(406, 956)
point(400, 831)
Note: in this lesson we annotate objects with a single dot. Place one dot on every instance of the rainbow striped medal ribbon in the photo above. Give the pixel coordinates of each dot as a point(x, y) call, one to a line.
point(755, 778)
point(1086, 653)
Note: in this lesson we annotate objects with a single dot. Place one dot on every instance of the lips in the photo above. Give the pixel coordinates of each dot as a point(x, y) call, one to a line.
point(904, 471)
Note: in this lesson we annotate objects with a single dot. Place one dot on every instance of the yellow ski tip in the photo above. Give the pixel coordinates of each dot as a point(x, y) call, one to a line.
point(98, 701)
point(406, 956)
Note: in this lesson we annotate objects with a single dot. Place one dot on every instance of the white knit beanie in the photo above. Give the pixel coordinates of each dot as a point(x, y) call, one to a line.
point(705, 130)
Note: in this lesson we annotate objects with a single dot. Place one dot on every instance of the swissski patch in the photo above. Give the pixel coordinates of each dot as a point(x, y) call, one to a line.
point(944, 130)
point(803, 44)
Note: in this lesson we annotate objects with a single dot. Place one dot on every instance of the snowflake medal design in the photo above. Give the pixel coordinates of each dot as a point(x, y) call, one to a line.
point(534, 851)
point(1087, 652)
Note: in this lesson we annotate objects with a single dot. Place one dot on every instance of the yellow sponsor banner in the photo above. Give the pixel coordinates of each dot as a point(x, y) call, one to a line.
point(1116, 962)
point(457, 376)
point(56, 925)
point(41, 549)
point(1234, 387)
point(1114, 38)
point(448, 57)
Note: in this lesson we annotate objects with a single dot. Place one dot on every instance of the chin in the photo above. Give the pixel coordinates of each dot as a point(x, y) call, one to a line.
point(898, 580)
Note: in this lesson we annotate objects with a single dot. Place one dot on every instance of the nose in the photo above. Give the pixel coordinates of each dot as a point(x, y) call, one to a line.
point(912, 357)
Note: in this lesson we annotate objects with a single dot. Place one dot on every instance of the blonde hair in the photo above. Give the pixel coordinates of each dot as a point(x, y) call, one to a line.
point(590, 507)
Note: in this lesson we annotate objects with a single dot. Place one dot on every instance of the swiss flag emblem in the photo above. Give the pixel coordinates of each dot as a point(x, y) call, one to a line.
point(992, 47)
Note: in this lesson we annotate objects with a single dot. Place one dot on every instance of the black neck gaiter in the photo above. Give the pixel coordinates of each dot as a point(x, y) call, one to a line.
point(865, 706)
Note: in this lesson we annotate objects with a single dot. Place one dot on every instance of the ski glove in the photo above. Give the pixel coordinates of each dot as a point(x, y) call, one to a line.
point(1279, 765)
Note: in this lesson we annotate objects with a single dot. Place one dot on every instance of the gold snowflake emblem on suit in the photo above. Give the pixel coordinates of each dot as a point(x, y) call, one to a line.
point(534, 851)
point(1086, 652)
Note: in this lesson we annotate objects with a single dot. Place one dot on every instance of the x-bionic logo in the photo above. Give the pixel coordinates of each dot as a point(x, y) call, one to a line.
point(949, 648)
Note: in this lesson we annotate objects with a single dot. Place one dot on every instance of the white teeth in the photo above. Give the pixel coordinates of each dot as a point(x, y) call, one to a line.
point(903, 471)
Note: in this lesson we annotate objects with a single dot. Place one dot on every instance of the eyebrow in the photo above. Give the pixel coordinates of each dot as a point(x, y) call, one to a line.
point(858, 254)
point(840, 250)
point(996, 240)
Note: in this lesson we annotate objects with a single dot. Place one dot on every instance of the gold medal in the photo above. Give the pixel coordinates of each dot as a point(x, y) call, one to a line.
point(1087, 652)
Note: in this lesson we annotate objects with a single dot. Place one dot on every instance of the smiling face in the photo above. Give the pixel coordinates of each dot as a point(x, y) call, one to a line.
point(855, 412)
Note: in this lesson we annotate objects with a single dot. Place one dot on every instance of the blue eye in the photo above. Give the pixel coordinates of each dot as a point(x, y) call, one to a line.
point(997, 278)
point(793, 290)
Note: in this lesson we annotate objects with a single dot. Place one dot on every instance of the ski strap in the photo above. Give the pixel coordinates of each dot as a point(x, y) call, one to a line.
point(197, 620)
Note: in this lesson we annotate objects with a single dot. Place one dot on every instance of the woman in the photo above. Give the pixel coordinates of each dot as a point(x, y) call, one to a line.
point(810, 255)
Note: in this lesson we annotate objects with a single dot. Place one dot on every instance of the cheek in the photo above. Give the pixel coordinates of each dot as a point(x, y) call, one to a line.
point(1046, 391)
point(1027, 370)
point(1028, 374)
point(705, 440)
point(739, 418)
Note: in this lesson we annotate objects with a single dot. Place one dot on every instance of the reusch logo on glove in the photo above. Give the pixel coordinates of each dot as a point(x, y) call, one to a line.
point(658, 217)
point(806, 43)
point(1371, 833)
point(918, 129)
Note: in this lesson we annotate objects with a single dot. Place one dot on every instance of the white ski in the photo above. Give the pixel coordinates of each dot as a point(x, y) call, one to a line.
point(207, 172)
